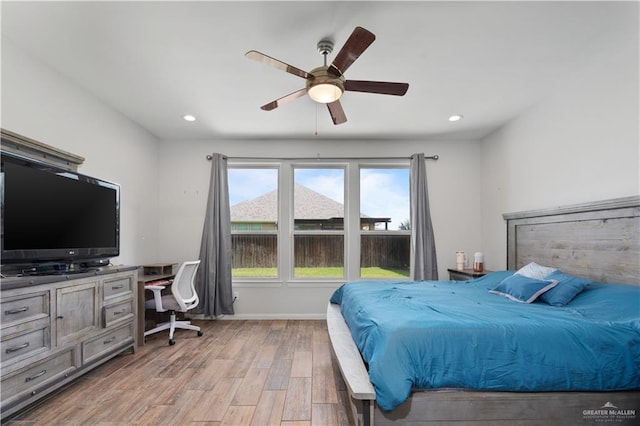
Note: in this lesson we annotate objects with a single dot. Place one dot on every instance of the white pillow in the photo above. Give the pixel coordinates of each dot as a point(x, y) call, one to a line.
point(533, 270)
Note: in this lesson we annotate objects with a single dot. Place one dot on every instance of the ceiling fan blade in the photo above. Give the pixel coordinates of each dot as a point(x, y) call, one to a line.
point(381, 87)
point(357, 43)
point(265, 59)
point(283, 100)
point(337, 113)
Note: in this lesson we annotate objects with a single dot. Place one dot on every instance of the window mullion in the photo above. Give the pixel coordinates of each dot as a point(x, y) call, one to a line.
point(285, 225)
point(352, 222)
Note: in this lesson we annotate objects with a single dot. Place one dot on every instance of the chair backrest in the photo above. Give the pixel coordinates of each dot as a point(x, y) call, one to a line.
point(183, 287)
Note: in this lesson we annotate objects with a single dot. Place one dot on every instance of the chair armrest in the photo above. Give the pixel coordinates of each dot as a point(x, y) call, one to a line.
point(157, 296)
point(154, 287)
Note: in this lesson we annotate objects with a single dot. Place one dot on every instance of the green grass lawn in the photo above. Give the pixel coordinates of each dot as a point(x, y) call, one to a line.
point(376, 272)
point(325, 272)
point(254, 272)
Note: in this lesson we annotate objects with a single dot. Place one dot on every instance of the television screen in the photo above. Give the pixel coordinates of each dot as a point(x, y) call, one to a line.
point(52, 214)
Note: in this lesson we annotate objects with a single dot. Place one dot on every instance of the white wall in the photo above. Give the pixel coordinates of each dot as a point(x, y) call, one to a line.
point(580, 145)
point(41, 104)
point(454, 193)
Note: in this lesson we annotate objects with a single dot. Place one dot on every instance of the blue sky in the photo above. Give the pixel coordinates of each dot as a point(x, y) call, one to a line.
point(384, 192)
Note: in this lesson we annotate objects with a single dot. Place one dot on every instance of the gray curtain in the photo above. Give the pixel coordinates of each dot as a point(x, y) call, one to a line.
point(423, 243)
point(214, 275)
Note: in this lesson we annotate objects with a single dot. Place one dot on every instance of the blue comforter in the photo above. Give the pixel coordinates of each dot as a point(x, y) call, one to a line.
point(448, 334)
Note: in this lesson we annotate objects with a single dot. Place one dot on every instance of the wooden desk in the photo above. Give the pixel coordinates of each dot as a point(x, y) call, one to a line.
point(149, 274)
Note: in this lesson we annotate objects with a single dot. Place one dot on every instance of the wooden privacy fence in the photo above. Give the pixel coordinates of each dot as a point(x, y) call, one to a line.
point(254, 251)
point(386, 251)
point(260, 251)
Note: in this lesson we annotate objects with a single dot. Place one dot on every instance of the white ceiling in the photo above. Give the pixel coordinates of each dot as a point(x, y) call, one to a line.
point(155, 61)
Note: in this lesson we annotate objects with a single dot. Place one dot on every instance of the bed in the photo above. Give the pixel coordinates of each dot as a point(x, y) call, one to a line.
point(598, 243)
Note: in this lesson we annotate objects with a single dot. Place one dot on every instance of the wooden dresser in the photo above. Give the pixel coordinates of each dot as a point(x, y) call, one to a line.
point(57, 327)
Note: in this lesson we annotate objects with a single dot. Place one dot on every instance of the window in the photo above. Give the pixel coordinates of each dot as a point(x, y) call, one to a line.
point(385, 228)
point(253, 196)
point(318, 223)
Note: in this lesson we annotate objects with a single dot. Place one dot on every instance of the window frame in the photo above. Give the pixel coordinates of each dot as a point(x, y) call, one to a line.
point(308, 165)
point(279, 276)
point(362, 233)
point(285, 230)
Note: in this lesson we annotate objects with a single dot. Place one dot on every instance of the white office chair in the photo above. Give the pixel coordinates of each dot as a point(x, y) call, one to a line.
point(183, 297)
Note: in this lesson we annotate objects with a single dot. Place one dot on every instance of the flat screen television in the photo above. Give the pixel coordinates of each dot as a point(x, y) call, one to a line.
point(52, 215)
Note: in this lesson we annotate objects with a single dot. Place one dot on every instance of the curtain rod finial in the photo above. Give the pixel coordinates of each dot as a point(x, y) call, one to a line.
point(209, 157)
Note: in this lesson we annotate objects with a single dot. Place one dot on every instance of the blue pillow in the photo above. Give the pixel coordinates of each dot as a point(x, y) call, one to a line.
point(520, 288)
point(568, 287)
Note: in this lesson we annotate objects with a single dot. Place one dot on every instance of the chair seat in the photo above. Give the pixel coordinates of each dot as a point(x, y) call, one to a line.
point(169, 303)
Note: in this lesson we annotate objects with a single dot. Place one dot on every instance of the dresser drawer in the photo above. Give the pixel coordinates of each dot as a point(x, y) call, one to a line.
point(25, 344)
point(117, 312)
point(94, 348)
point(50, 369)
point(114, 288)
point(24, 308)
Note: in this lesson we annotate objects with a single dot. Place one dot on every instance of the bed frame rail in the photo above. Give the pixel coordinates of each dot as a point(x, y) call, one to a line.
point(356, 377)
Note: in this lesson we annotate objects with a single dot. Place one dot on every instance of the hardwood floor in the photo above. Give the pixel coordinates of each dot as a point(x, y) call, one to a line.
point(238, 373)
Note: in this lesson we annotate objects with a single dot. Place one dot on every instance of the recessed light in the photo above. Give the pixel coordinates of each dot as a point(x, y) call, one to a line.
point(189, 117)
point(456, 117)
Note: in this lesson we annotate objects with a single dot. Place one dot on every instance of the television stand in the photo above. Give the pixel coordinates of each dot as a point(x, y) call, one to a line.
point(56, 328)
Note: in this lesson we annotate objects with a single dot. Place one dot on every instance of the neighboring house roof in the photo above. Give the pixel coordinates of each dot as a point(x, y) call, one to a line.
point(312, 205)
point(261, 209)
point(309, 205)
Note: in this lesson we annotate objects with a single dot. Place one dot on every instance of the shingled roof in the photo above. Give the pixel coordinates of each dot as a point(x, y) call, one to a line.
point(309, 205)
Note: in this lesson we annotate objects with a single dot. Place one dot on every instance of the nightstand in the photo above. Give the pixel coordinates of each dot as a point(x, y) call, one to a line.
point(465, 274)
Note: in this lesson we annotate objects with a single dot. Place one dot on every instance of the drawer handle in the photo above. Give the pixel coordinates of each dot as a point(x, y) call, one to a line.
point(17, 348)
point(118, 312)
point(106, 342)
point(116, 287)
point(42, 373)
point(16, 311)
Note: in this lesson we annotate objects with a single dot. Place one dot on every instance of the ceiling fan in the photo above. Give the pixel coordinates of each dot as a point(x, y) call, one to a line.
point(326, 84)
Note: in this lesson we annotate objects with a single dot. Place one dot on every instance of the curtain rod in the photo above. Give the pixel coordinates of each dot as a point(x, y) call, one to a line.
point(431, 157)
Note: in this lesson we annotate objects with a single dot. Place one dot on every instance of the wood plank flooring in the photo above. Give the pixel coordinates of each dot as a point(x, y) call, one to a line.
point(257, 373)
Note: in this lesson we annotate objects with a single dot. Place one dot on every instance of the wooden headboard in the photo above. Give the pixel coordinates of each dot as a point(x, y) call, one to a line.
point(599, 240)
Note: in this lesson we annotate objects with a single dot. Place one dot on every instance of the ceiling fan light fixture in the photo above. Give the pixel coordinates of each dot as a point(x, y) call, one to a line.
point(325, 93)
point(323, 87)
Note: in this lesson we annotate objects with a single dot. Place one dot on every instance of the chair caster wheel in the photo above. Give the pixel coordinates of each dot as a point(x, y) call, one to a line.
point(199, 333)
point(172, 342)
